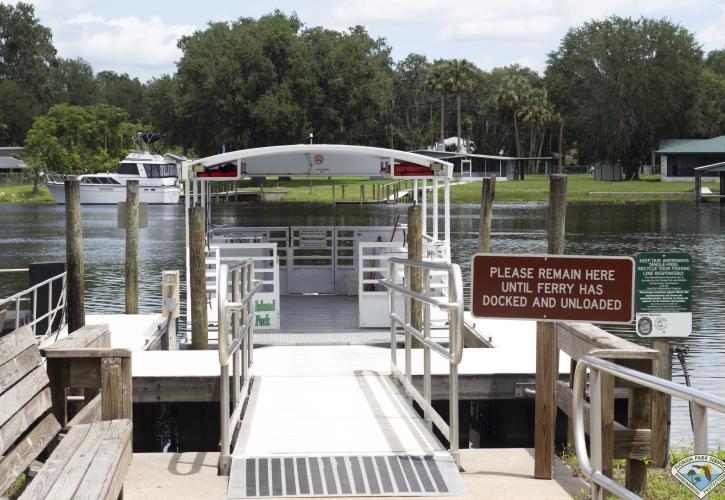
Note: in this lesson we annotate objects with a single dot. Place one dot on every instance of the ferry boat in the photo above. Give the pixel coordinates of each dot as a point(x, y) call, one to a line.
point(158, 177)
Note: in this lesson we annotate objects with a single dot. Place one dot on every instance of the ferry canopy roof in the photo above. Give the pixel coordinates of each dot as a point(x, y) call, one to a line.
point(715, 167)
point(326, 160)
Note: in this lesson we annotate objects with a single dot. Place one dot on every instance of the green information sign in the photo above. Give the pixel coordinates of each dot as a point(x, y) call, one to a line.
point(663, 294)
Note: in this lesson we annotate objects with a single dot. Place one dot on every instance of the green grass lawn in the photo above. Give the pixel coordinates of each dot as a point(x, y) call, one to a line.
point(319, 190)
point(660, 483)
point(536, 188)
point(24, 194)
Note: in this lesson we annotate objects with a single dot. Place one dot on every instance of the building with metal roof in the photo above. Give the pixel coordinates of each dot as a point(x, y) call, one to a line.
point(680, 157)
point(478, 165)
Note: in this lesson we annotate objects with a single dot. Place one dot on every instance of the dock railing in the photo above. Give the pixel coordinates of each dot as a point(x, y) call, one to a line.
point(30, 295)
point(239, 312)
point(699, 401)
point(453, 306)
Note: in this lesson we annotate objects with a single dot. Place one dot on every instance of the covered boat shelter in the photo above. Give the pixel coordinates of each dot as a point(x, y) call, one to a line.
point(710, 170)
point(298, 264)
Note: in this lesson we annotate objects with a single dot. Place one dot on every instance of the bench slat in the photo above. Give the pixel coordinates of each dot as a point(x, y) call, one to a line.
point(15, 398)
point(15, 462)
point(23, 419)
point(16, 368)
point(44, 481)
point(77, 462)
point(113, 450)
point(14, 343)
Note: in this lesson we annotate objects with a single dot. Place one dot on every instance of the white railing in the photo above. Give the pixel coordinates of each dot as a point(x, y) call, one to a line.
point(699, 401)
point(30, 295)
point(239, 312)
point(453, 306)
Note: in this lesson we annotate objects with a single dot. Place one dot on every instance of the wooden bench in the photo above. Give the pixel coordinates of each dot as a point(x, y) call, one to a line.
point(92, 458)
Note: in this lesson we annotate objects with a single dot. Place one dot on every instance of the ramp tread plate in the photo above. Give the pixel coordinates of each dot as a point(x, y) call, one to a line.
point(344, 476)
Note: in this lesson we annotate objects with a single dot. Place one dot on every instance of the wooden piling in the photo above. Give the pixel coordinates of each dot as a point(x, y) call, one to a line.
point(697, 193)
point(546, 346)
point(362, 194)
point(197, 279)
point(74, 256)
point(343, 192)
point(639, 418)
point(333, 194)
point(488, 193)
point(131, 267)
point(661, 405)
point(415, 252)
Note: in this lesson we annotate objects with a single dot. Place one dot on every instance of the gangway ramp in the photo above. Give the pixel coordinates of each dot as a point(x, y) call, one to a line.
point(330, 421)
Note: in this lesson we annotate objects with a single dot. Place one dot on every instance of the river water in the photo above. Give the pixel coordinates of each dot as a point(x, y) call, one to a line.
point(35, 233)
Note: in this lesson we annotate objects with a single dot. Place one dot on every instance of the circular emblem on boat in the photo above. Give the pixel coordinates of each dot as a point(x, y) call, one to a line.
point(318, 159)
point(644, 325)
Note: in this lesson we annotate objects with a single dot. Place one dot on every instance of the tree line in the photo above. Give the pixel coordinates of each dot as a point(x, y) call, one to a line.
point(611, 90)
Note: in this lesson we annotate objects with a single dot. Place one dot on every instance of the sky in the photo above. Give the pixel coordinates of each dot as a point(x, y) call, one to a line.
point(139, 37)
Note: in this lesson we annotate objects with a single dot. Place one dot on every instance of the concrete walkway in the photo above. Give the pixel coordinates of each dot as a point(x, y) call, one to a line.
point(505, 474)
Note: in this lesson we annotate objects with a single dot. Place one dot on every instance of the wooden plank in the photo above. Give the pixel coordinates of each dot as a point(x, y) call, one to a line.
point(15, 398)
point(88, 352)
point(18, 367)
point(639, 417)
point(544, 405)
point(113, 449)
point(175, 389)
point(628, 443)
point(661, 405)
point(40, 486)
point(84, 372)
point(88, 336)
point(607, 395)
point(126, 389)
point(111, 389)
point(577, 339)
point(23, 419)
point(90, 413)
point(27, 450)
point(14, 343)
point(58, 376)
point(77, 461)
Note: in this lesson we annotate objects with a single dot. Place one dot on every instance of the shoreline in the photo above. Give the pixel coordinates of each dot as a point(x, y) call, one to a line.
point(581, 189)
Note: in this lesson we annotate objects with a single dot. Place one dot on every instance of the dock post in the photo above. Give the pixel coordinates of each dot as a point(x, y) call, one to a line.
point(698, 188)
point(197, 270)
point(661, 405)
point(343, 192)
point(362, 194)
point(333, 193)
point(546, 345)
point(74, 256)
point(415, 252)
point(131, 267)
point(488, 192)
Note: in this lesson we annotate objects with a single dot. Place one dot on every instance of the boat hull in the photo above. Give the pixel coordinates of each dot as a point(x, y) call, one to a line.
point(111, 195)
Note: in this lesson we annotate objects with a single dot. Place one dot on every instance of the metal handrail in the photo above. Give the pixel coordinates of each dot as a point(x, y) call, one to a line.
point(453, 306)
point(240, 310)
point(699, 400)
point(53, 309)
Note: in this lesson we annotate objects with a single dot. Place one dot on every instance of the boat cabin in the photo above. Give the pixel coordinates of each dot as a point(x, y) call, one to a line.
point(331, 269)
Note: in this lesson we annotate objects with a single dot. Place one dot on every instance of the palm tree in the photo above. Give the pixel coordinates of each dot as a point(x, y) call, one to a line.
point(537, 113)
point(509, 100)
point(437, 81)
point(460, 81)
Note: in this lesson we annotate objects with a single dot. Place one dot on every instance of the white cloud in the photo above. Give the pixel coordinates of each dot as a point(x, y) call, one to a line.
point(712, 34)
point(143, 47)
point(85, 18)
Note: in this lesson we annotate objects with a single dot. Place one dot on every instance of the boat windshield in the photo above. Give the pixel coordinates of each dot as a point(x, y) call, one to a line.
point(127, 169)
point(155, 170)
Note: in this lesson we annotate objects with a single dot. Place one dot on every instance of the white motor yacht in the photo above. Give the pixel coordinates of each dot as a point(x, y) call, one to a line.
point(158, 177)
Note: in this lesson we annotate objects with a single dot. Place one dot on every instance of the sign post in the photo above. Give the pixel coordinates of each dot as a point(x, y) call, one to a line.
point(663, 305)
